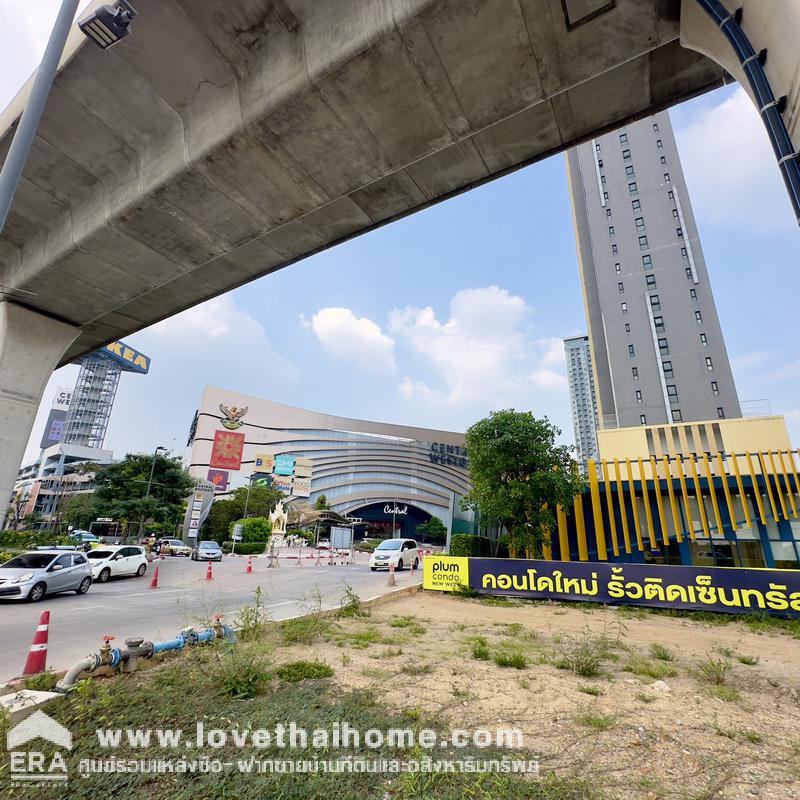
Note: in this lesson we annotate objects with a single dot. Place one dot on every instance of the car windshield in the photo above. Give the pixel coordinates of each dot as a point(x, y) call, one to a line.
point(29, 561)
point(389, 544)
point(209, 545)
point(99, 555)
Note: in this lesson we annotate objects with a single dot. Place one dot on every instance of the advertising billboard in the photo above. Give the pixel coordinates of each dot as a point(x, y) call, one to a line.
point(54, 428)
point(283, 483)
point(284, 465)
point(301, 487)
point(226, 452)
point(219, 477)
point(265, 462)
point(131, 360)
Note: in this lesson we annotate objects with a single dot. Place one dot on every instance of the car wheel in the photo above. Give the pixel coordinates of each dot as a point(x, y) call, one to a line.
point(37, 592)
point(400, 565)
point(194, 557)
point(142, 569)
point(374, 569)
point(104, 575)
point(416, 563)
point(84, 585)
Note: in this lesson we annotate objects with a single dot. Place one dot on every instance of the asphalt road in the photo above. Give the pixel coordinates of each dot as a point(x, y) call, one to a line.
point(126, 607)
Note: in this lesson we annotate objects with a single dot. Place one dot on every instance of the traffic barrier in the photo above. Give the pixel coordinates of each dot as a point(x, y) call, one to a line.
point(37, 655)
point(249, 564)
point(154, 581)
point(317, 562)
point(391, 581)
point(209, 573)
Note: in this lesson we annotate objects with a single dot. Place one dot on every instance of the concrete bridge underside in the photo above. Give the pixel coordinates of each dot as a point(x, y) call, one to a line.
point(225, 140)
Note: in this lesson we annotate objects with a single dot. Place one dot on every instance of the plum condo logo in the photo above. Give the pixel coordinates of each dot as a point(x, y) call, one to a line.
point(33, 767)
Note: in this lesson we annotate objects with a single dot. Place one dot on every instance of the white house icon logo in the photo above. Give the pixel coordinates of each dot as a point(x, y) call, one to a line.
point(38, 726)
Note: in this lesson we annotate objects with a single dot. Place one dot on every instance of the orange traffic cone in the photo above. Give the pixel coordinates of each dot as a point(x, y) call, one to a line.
point(154, 581)
point(249, 564)
point(37, 656)
point(209, 573)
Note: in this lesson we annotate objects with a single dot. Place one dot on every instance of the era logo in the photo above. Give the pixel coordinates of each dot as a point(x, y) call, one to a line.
point(31, 767)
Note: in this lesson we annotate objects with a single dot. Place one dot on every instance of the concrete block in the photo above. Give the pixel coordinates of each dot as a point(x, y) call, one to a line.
point(24, 702)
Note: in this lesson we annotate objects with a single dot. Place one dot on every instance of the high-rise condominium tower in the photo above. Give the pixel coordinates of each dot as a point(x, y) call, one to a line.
point(582, 396)
point(656, 343)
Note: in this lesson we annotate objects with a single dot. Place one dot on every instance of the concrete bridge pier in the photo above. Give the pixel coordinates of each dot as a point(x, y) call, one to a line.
point(31, 345)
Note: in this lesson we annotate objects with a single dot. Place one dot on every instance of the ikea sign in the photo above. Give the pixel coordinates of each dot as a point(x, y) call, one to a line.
point(131, 360)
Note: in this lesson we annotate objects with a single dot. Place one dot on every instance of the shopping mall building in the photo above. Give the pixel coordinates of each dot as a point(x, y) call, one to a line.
point(382, 474)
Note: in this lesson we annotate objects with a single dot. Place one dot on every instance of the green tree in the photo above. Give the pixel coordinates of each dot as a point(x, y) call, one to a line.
point(519, 476)
point(322, 503)
point(256, 529)
point(80, 510)
point(122, 490)
point(261, 503)
point(434, 530)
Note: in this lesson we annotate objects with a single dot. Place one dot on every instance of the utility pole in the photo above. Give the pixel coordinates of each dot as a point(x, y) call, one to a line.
point(149, 484)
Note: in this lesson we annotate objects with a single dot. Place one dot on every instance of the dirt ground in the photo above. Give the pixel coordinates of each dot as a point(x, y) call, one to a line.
point(667, 735)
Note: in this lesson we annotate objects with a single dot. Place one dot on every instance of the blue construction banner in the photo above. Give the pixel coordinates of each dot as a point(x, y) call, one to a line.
point(730, 590)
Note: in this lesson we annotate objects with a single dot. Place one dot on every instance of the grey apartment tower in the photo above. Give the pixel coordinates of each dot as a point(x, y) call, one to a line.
point(657, 350)
point(582, 396)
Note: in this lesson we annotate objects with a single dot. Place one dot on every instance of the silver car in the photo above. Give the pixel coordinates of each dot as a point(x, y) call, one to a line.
point(207, 551)
point(31, 576)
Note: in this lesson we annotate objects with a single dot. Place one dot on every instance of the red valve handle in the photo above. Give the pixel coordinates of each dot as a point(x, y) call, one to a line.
point(107, 639)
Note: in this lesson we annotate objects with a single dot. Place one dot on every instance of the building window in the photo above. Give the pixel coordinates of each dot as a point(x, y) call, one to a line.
point(639, 224)
point(623, 138)
point(703, 340)
point(663, 347)
point(667, 367)
point(642, 419)
point(629, 171)
point(709, 363)
point(671, 194)
point(698, 316)
point(651, 281)
point(679, 231)
point(608, 213)
point(659, 144)
point(614, 250)
point(621, 287)
point(631, 351)
point(603, 179)
point(610, 230)
point(627, 327)
point(655, 302)
point(684, 253)
point(624, 308)
point(605, 196)
point(635, 373)
point(647, 262)
point(676, 415)
point(600, 163)
point(714, 388)
point(663, 160)
point(617, 268)
point(658, 323)
point(636, 204)
point(626, 155)
point(720, 412)
point(666, 177)
point(693, 294)
point(689, 272)
point(638, 395)
point(674, 213)
point(632, 188)
point(643, 243)
point(655, 127)
point(672, 392)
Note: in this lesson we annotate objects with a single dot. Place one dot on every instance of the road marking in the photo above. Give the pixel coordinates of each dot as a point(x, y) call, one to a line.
point(84, 608)
point(152, 594)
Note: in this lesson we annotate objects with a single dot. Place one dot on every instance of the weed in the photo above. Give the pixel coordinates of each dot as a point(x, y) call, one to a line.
point(714, 670)
point(43, 682)
point(461, 694)
point(595, 691)
point(523, 682)
point(363, 639)
point(584, 655)
point(644, 667)
point(728, 733)
point(660, 652)
point(346, 659)
point(493, 600)
point(252, 620)
point(392, 652)
point(511, 658)
point(416, 668)
point(464, 592)
point(351, 604)
point(726, 693)
point(310, 626)
point(480, 649)
point(410, 623)
point(242, 672)
point(296, 671)
point(751, 661)
point(754, 737)
point(592, 719)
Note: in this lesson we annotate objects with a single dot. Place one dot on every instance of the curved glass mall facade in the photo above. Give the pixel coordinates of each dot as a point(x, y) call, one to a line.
point(386, 474)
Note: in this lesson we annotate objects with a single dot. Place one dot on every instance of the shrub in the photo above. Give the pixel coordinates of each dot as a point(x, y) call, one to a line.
point(660, 652)
point(467, 544)
point(595, 691)
point(252, 619)
point(644, 667)
point(351, 604)
point(751, 661)
point(297, 671)
point(242, 673)
point(513, 658)
point(714, 670)
point(415, 668)
point(726, 693)
point(584, 655)
point(245, 548)
point(255, 529)
point(43, 682)
point(480, 649)
point(409, 623)
point(591, 719)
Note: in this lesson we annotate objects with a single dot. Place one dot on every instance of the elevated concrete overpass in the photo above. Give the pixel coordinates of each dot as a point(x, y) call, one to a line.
point(225, 140)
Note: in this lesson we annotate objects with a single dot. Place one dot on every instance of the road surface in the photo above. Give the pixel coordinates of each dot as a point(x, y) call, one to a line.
point(126, 607)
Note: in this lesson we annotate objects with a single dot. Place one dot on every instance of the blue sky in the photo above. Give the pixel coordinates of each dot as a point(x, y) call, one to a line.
point(460, 309)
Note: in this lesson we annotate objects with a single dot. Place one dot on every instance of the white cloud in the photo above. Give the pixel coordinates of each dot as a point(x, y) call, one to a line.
point(482, 354)
point(731, 170)
point(352, 338)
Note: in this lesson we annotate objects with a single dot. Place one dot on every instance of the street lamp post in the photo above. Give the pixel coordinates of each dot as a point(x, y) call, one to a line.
point(149, 483)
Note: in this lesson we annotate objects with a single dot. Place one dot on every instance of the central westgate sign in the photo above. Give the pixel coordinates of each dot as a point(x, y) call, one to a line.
point(451, 455)
point(395, 510)
point(729, 590)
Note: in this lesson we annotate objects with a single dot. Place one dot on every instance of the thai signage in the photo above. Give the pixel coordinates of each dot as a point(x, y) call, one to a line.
point(724, 589)
point(448, 455)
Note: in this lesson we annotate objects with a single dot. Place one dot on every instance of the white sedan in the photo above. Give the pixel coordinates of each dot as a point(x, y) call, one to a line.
point(399, 553)
point(112, 561)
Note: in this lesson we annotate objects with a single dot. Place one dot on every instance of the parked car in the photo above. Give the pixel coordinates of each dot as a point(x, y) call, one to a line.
point(324, 544)
point(207, 551)
point(84, 539)
point(173, 547)
point(400, 552)
point(115, 560)
point(30, 576)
